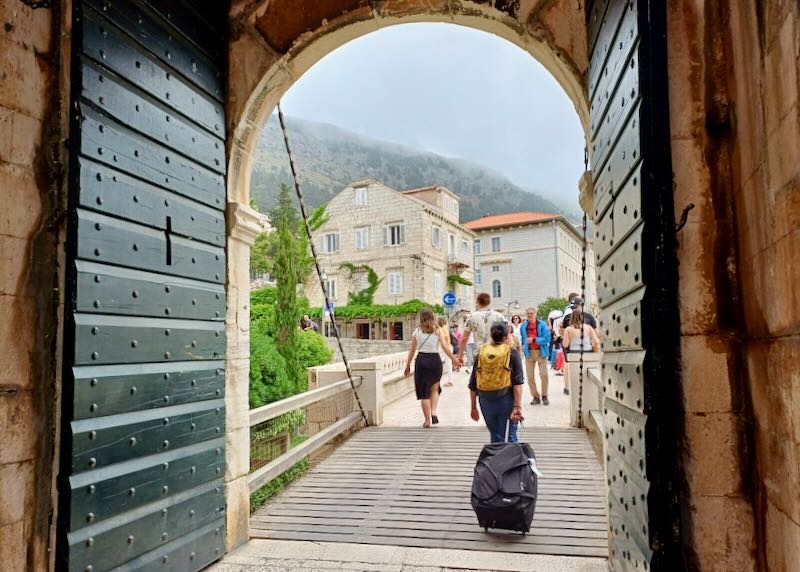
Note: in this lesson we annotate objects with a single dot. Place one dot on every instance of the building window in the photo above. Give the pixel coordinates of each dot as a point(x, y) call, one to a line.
point(437, 284)
point(497, 290)
point(465, 291)
point(362, 238)
point(395, 283)
point(331, 242)
point(330, 288)
point(361, 196)
point(477, 246)
point(496, 268)
point(496, 244)
point(436, 237)
point(394, 234)
point(464, 248)
point(477, 276)
point(362, 331)
point(451, 244)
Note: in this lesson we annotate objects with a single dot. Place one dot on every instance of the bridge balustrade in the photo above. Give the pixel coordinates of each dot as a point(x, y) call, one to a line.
point(285, 432)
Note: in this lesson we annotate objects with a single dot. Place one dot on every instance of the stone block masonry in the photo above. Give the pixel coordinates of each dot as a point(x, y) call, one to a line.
point(29, 297)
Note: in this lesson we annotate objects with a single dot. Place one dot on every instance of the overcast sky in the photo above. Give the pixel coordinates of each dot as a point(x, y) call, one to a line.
point(453, 91)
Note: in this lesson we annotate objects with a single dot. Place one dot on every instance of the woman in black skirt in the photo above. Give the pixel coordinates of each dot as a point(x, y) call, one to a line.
point(426, 342)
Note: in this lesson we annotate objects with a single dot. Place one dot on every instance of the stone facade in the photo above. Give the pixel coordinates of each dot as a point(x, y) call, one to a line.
point(31, 125)
point(363, 223)
point(735, 123)
point(534, 261)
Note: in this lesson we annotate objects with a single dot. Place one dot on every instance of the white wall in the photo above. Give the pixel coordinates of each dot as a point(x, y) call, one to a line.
point(535, 262)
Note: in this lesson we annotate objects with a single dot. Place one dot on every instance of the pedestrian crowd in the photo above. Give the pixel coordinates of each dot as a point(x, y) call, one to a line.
point(499, 355)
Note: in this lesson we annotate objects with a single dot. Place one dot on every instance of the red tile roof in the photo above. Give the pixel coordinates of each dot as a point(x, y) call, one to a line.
point(510, 219)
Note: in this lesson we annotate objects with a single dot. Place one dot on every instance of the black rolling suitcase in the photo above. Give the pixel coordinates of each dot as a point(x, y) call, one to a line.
point(505, 486)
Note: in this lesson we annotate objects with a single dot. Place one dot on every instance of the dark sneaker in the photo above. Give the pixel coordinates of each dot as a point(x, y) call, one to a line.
point(545, 401)
point(536, 401)
point(566, 391)
point(434, 419)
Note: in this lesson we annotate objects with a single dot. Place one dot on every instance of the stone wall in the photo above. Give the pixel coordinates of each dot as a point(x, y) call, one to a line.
point(360, 349)
point(29, 298)
point(735, 124)
point(764, 51)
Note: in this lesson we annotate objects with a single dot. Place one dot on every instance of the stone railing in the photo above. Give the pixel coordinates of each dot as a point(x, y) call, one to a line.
point(592, 399)
point(381, 381)
point(329, 410)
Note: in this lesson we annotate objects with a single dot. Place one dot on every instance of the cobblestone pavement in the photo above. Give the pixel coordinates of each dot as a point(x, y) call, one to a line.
point(454, 406)
point(294, 556)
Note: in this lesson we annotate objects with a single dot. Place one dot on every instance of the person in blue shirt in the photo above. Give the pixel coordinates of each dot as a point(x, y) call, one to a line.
point(536, 347)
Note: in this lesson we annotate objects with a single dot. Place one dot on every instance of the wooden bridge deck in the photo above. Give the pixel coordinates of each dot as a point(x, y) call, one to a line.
point(404, 486)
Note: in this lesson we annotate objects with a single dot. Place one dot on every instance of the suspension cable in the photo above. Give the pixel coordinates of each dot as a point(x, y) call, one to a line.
point(316, 264)
point(583, 299)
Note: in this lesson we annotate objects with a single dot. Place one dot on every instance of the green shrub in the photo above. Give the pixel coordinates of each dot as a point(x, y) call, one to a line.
point(276, 485)
point(269, 377)
point(549, 305)
point(312, 349)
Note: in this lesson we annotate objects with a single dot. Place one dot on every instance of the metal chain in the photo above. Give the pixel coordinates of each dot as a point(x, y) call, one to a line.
point(316, 262)
point(583, 298)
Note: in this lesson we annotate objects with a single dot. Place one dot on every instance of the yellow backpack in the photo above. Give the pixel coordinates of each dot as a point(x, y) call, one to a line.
point(494, 367)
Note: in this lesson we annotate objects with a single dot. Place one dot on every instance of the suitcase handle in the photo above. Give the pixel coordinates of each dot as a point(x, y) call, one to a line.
point(508, 428)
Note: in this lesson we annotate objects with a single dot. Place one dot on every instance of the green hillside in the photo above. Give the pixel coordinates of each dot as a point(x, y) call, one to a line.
point(328, 158)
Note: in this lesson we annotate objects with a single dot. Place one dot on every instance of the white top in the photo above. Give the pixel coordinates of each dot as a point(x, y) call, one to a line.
point(480, 323)
point(575, 340)
point(427, 343)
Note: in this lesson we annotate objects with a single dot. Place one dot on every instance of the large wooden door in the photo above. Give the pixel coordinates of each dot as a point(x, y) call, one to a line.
point(634, 234)
point(143, 434)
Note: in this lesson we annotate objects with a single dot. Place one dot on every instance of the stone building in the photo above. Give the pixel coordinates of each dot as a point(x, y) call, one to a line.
point(411, 239)
point(527, 257)
point(691, 111)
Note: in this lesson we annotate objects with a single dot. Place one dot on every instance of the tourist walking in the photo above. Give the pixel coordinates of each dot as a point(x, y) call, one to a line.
point(458, 335)
point(536, 347)
point(588, 342)
point(496, 382)
point(480, 322)
point(574, 342)
point(513, 341)
point(516, 324)
point(426, 341)
point(446, 363)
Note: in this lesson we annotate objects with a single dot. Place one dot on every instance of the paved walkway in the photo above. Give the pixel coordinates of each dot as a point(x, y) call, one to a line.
point(396, 499)
point(292, 556)
point(454, 407)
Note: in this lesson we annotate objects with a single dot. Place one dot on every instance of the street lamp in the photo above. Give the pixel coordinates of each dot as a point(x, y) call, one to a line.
point(516, 305)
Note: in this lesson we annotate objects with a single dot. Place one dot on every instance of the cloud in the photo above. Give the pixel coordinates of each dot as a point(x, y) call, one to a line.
point(454, 91)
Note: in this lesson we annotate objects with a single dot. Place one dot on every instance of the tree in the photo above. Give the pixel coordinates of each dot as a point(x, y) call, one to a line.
point(262, 254)
point(286, 271)
point(549, 305)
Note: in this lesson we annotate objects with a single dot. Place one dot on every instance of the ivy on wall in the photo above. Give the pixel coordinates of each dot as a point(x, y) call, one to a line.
point(379, 311)
point(365, 296)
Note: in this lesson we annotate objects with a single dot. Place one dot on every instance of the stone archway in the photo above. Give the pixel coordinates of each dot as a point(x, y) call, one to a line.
point(273, 44)
point(621, 99)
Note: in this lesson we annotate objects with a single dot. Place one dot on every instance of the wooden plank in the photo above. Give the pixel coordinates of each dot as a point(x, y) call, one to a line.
point(493, 542)
point(406, 487)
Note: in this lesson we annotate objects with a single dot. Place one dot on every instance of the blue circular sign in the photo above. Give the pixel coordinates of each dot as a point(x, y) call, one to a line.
point(449, 299)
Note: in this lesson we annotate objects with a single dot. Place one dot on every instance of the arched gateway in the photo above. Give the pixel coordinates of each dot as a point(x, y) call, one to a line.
point(154, 432)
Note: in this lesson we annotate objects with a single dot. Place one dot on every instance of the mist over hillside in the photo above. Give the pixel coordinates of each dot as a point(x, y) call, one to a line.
point(328, 158)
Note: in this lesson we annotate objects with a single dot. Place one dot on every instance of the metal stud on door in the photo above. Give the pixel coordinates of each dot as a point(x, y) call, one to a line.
point(143, 448)
point(636, 280)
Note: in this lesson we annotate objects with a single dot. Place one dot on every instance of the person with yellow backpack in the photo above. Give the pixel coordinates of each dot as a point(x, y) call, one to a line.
point(496, 381)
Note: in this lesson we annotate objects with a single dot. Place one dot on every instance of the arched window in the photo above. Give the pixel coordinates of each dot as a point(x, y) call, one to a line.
point(497, 291)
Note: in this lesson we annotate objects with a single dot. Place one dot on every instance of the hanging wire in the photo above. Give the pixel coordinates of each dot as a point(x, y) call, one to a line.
point(583, 298)
point(316, 263)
